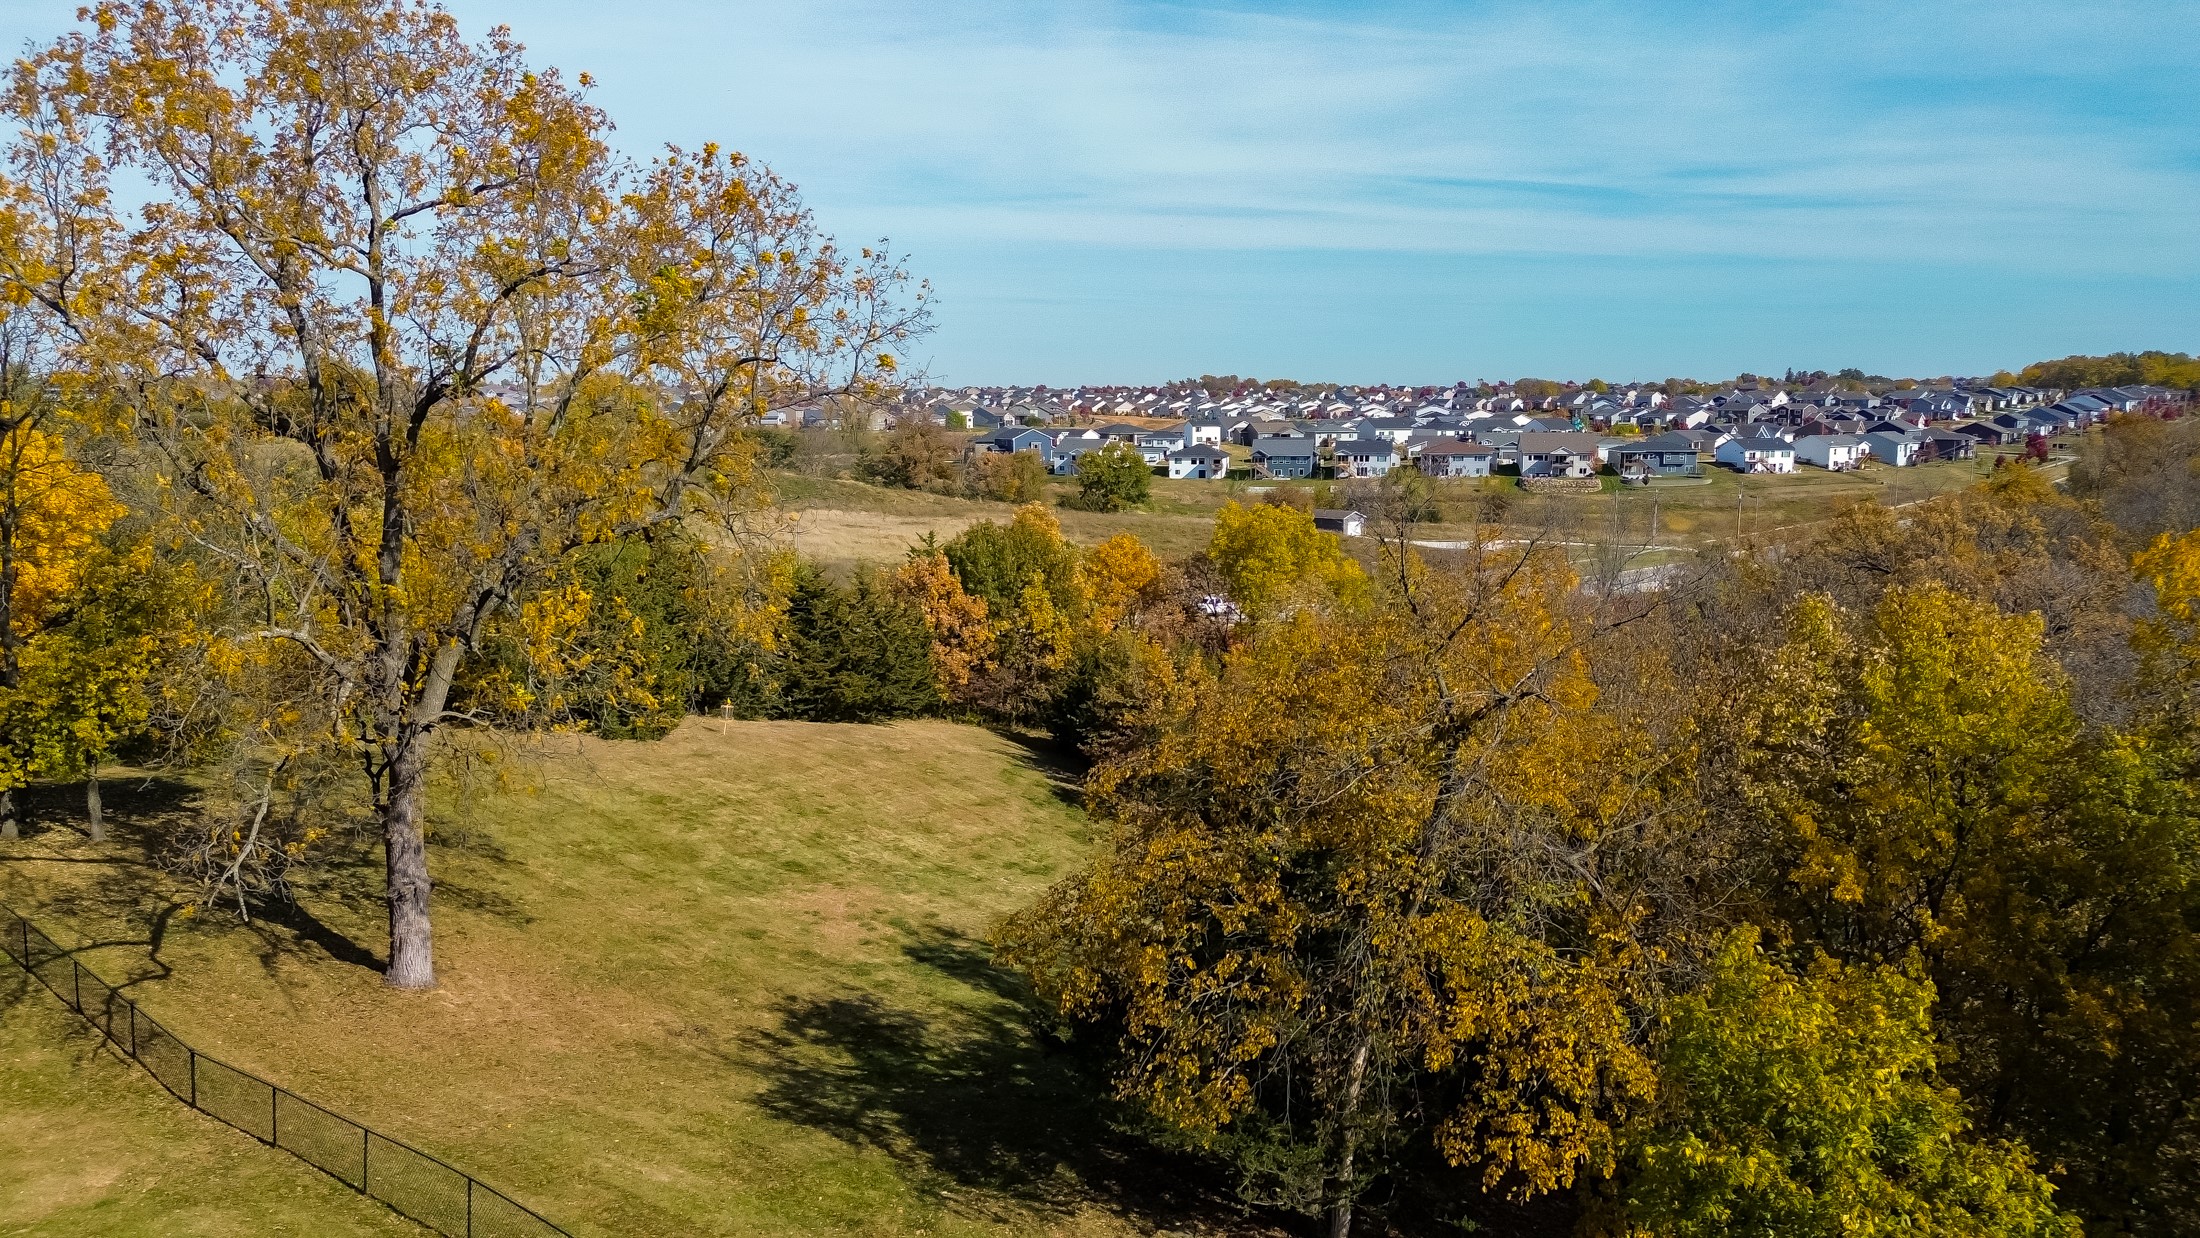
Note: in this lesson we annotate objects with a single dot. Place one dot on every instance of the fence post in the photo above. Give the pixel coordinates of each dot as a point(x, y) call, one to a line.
point(363, 1162)
point(194, 1076)
point(274, 1123)
point(76, 985)
point(132, 1008)
point(469, 1206)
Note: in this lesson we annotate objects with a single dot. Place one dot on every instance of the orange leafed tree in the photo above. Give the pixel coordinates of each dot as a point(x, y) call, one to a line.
point(403, 332)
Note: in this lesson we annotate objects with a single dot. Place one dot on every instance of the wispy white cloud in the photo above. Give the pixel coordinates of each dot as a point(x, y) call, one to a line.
point(1958, 132)
point(1114, 188)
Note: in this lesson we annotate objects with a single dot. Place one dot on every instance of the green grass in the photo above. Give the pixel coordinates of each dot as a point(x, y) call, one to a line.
point(92, 1146)
point(729, 983)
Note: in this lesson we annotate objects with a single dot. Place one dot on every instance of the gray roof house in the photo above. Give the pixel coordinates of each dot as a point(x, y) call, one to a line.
point(1660, 455)
point(1897, 450)
point(1285, 457)
point(1366, 457)
point(1546, 453)
point(1020, 438)
point(1454, 457)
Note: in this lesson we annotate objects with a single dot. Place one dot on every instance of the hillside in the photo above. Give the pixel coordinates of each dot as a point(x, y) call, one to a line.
point(729, 983)
point(94, 1147)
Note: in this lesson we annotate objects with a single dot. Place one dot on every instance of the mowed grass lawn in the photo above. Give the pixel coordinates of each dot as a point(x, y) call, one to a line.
point(91, 1146)
point(732, 982)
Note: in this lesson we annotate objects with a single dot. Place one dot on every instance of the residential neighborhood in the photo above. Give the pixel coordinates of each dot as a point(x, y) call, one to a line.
point(1634, 433)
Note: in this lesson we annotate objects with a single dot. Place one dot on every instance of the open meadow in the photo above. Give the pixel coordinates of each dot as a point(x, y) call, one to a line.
point(841, 522)
point(732, 982)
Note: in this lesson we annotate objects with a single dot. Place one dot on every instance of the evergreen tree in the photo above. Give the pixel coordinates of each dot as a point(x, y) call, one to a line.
point(860, 654)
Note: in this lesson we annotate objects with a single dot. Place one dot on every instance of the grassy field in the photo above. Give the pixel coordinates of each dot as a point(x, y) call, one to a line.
point(93, 1146)
point(733, 982)
point(840, 522)
point(845, 522)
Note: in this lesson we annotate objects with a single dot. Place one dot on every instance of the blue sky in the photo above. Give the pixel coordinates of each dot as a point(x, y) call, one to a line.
point(1128, 191)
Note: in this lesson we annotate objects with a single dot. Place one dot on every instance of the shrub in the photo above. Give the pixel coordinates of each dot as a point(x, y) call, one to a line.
point(1112, 479)
point(1009, 477)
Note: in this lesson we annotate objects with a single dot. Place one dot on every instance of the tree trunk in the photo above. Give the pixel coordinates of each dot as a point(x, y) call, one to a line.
point(405, 863)
point(92, 814)
point(7, 815)
point(1340, 1212)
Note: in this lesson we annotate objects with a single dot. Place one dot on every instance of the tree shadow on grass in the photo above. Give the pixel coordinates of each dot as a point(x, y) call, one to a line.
point(124, 887)
point(977, 1113)
point(1061, 764)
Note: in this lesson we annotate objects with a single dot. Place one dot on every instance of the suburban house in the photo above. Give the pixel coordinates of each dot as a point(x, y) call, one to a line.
point(1017, 438)
point(1246, 433)
point(1660, 455)
point(1200, 462)
point(1285, 458)
point(1366, 457)
point(1068, 451)
point(1836, 453)
point(1946, 445)
point(1337, 520)
point(1454, 457)
point(1897, 450)
point(1396, 429)
point(1154, 446)
point(1547, 453)
point(1757, 455)
point(1706, 438)
point(1206, 431)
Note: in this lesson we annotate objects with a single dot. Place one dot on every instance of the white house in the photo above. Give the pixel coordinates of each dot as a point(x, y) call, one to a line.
point(1756, 455)
point(1836, 453)
point(1201, 462)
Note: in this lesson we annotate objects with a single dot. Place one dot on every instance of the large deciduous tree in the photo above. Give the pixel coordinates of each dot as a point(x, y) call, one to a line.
point(1404, 869)
point(1807, 1104)
point(402, 333)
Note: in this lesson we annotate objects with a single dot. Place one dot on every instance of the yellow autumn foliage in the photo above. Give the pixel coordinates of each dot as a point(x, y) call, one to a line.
point(60, 511)
point(1332, 884)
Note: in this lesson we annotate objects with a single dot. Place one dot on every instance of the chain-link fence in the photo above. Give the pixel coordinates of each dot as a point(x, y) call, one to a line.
point(447, 1200)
